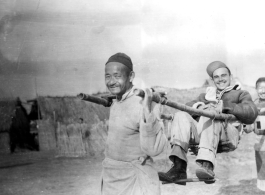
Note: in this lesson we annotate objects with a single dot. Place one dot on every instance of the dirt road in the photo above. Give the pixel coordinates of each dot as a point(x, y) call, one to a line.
point(32, 173)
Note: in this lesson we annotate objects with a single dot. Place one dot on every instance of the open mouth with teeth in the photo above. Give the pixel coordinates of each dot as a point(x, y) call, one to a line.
point(222, 84)
point(113, 87)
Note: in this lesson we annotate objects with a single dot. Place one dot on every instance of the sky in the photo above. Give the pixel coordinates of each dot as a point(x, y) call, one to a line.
point(60, 47)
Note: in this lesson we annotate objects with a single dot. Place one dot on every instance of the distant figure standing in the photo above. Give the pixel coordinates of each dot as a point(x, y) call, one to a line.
point(19, 131)
point(260, 131)
point(85, 133)
point(259, 128)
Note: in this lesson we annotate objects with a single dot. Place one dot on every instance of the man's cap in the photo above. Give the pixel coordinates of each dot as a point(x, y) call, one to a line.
point(121, 58)
point(214, 66)
point(261, 79)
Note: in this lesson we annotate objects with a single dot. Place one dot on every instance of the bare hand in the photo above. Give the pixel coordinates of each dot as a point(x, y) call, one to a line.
point(147, 102)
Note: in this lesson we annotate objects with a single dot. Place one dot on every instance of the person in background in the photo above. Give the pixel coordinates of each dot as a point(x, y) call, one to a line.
point(85, 133)
point(259, 129)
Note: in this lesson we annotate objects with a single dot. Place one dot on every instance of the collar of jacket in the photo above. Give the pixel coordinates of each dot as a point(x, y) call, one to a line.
point(126, 95)
point(213, 95)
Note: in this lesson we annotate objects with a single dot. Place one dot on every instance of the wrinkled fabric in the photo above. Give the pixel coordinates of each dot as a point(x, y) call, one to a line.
point(129, 137)
point(260, 159)
point(231, 100)
point(213, 95)
point(130, 141)
point(235, 101)
point(260, 139)
point(209, 131)
point(130, 178)
point(260, 147)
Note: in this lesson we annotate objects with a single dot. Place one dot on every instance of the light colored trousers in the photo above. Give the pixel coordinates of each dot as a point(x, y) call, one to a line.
point(129, 178)
point(209, 132)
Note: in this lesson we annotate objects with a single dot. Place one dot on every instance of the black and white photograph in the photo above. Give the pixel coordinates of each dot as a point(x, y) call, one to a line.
point(132, 97)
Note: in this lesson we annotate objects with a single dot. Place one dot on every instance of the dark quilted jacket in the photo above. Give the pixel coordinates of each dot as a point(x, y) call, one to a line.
point(236, 102)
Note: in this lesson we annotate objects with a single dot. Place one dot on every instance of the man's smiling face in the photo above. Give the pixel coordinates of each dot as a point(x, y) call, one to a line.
point(221, 78)
point(117, 78)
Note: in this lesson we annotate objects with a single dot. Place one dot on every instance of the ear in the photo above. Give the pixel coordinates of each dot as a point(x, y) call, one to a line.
point(231, 77)
point(232, 81)
point(132, 75)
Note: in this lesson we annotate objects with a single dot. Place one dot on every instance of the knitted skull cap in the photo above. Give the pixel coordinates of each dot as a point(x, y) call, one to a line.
point(121, 58)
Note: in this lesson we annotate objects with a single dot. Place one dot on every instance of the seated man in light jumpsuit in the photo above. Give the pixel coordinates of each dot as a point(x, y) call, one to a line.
point(225, 98)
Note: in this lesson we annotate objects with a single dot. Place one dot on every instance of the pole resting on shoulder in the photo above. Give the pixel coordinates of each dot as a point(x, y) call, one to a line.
point(163, 100)
point(104, 100)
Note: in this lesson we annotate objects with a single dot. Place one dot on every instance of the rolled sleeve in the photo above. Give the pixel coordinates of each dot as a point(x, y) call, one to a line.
point(153, 139)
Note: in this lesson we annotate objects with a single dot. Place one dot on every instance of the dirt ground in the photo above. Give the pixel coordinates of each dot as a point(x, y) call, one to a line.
point(32, 173)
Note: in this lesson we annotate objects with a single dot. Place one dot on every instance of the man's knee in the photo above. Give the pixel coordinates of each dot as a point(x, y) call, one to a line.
point(182, 121)
point(180, 129)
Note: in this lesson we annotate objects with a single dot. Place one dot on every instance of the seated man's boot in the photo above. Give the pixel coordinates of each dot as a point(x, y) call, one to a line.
point(178, 171)
point(205, 171)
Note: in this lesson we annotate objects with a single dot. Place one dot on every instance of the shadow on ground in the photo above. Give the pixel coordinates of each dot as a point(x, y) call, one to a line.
point(16, 165)
point(245, 187)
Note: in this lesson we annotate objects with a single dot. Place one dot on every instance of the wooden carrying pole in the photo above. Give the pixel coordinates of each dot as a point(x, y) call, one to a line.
point(190, 180)
point(210, 114)
point(98, 100)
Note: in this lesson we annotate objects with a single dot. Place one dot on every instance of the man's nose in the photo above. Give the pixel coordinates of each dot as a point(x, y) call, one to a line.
point(221, 79)
point(112, 80)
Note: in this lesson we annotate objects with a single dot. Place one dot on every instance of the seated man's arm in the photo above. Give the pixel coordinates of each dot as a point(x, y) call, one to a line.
point(245, 110)
point(199, 102)
point(152, 137)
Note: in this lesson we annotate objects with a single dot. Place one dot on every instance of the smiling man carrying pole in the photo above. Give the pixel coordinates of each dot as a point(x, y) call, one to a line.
point(135, 134)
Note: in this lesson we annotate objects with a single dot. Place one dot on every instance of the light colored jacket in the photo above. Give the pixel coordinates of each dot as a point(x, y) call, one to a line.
point(129, 137)
point(130, 142)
